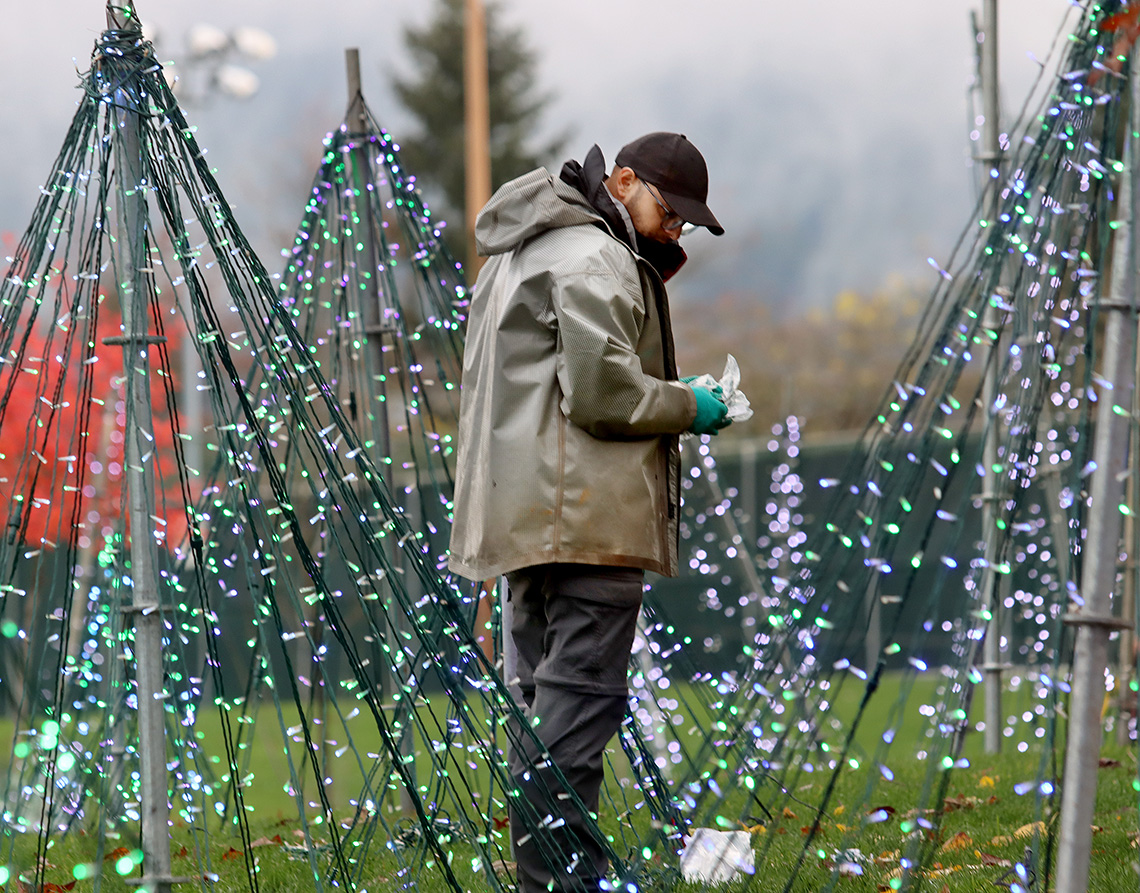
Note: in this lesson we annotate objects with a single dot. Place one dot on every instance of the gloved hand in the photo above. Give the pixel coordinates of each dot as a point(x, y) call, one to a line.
point(717, 390)
point(712, 412)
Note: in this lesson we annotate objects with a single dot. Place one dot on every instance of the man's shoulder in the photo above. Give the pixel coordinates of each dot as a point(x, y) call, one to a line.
point(587, 243)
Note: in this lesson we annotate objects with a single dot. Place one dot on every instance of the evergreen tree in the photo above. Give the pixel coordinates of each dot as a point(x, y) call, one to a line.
point(433, 93)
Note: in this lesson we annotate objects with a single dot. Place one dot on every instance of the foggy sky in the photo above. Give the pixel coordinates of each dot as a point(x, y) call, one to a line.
point(837, 133)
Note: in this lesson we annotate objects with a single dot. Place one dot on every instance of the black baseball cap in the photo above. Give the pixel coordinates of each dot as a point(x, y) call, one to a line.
point(673, 164)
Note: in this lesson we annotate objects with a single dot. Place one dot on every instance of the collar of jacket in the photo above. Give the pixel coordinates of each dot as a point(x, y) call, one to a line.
point(589, 179)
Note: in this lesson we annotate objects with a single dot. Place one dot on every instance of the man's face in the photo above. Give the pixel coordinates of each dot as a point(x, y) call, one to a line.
point(651, 215)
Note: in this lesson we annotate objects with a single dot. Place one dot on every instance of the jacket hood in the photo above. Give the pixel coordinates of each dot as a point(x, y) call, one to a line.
point(537, 202)
point(527, 206)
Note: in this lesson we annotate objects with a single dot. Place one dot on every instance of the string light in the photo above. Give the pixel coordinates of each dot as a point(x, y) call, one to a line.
point(301, 593)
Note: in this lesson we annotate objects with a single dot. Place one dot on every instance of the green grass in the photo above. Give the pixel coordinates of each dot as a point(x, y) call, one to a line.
point(985, 829)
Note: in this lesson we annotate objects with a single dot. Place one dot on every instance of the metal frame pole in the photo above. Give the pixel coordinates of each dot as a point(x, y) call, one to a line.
point(374, 323)
point(1125, 657)
point(1095, 621)
point(139, 467)
point(992, 651)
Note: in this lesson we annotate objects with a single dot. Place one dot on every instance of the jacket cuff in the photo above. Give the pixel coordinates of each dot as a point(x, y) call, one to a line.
point(690, 406)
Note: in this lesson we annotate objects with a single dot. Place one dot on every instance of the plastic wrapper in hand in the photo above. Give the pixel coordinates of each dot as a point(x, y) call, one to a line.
point(739, 409)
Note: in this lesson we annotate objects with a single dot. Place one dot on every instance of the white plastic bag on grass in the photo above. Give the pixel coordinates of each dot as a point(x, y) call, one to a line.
point(717, 857)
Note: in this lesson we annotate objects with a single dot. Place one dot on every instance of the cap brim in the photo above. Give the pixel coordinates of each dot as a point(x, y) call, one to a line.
point(693, 211)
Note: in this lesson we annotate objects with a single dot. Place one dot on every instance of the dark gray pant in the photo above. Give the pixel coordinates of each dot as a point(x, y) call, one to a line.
point(573, 628)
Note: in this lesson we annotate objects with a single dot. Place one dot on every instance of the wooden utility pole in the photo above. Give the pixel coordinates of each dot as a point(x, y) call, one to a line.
point(477, 181)
point(477, 124)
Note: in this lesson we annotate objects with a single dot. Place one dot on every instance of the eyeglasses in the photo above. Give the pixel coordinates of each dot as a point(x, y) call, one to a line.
point(672, 220)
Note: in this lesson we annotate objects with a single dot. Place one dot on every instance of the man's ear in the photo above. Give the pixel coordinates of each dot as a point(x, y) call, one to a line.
point(622, 182)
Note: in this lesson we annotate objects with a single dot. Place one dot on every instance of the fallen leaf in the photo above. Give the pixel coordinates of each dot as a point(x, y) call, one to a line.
point(788, 814)
point(987, 781)
point(275, 840)
point(117, 853)
point(232, 854)
point(839, 810)
point(1001, 840)
point(988, 859)
point(952, 803)
point(1030, 829)
point(1106, 763)
point(959, 841)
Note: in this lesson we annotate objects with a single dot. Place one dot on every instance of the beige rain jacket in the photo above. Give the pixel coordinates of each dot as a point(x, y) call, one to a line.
point(570, 407)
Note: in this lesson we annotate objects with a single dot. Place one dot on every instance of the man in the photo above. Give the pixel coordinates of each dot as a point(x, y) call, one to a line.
point(568, 472)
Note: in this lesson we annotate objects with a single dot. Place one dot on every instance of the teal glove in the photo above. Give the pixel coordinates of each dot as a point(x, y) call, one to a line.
point(712, 413)
point(717, 390)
